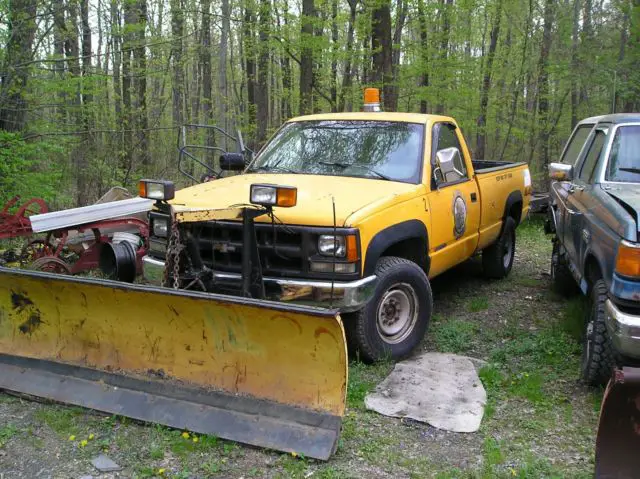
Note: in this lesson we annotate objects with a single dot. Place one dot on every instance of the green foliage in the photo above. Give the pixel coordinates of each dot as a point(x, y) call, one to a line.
point(454, 336)
point(26, 169)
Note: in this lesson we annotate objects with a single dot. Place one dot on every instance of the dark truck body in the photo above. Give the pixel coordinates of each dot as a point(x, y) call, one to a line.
point(593, 212)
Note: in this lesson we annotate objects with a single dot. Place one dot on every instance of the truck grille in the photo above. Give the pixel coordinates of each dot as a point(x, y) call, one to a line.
point(284, 250)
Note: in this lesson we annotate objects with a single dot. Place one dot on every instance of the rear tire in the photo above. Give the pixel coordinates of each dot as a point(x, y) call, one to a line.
point(497, 259)
point(599, 357)
point(395, 320)
point(561, 277)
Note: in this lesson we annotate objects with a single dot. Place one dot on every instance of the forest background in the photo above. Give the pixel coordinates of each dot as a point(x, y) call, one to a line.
point(93, 92)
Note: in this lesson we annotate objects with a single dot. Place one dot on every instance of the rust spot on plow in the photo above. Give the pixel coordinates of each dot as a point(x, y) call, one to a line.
point(31, 324)
point(20, 301)
point(322, 330)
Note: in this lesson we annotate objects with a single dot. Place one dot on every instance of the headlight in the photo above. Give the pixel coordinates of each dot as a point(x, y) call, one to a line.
point(628, 259)
point(330, 245)
point(160, 227)
point(156, 189)
point(274, 195)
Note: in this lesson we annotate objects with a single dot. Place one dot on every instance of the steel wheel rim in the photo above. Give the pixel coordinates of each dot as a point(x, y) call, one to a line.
point(397, 313)
point(508, 250)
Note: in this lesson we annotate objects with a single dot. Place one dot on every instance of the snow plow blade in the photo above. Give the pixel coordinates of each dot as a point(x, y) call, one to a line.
point(618, 440)
point(257, 372)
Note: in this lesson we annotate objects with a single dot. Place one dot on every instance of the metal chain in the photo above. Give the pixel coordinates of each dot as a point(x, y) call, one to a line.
point(174, 248)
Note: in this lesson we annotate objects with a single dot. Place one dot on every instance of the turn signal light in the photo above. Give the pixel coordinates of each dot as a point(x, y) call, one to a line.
point(628, 259)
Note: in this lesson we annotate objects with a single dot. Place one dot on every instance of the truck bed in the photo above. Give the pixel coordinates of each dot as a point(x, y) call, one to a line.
point(488, 166)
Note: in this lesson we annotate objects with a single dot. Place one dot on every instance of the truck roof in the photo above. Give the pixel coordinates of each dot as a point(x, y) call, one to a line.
point(380, 116)
point(613, 118)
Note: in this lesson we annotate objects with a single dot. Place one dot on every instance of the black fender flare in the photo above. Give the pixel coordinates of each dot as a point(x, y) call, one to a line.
point(411, 229)
point(513, 198)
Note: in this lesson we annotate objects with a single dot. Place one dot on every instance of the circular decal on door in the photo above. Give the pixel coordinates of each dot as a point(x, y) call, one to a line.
point(459, 214)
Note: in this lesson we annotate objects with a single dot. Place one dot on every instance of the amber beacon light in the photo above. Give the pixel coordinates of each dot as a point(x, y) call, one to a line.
point(372, 99)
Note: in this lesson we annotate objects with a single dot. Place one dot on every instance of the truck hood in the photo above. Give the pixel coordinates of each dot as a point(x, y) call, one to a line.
point(628, 196)
point(315, 193)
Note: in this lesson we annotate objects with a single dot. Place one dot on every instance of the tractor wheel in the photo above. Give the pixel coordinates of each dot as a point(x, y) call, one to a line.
point(395, 320)
point(598, 354)
point(51, 264)
point(497, 259)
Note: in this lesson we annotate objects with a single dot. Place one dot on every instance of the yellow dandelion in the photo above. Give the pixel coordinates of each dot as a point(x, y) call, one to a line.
point(72, 438)
point(294, 454)
point(185, 435)
point(92, 437)
point(83, 443)
point(161, 471)
point(513, 471)
point(195, 439)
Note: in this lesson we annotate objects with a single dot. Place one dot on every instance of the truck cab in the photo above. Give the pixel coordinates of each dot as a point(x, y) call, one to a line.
point(594, 205)
point(352, 211)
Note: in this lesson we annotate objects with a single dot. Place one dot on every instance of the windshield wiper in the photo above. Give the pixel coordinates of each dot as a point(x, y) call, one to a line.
point(347, 165)
point(630, 170)
point(274, 168)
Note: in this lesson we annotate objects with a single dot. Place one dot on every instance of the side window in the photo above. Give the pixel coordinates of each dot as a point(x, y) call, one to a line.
point(445, 138)
point(576, 142)
point(591, 158)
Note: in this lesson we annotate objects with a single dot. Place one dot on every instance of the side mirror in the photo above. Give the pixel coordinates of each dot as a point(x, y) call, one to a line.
point(560, 172)
point(232, 162)
point(448, 161)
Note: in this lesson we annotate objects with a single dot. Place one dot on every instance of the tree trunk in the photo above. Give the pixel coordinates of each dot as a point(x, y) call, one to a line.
point(262, 93)
point(223, 91)
point(543, 89)
point(249, 52)
point(87, 96)
point(486, 83)
point(127, 74)
point(333, 90)
point(347, 74)
point(306, 56)
point(116, 42)
point(141, 76)
point(382, 52)
point(177, 80)
point(401, 14)
point(574, 62)
point(424, 77)
point(287, 110)
point(444, 48)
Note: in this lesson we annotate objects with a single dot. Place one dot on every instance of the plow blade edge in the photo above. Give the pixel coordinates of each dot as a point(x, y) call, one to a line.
point(618, 440)
point(256, 372)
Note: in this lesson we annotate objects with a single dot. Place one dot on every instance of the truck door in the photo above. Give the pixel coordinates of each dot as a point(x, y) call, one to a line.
point(577, 196)
point(570, 156)
point(454, 202)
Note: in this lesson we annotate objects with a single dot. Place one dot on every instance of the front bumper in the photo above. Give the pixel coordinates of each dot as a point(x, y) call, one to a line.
point(344, 296)
point(623, 329)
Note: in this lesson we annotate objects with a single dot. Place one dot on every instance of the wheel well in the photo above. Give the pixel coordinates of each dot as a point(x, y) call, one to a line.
point(592, 272)
point(413, 249)
point(516, 211)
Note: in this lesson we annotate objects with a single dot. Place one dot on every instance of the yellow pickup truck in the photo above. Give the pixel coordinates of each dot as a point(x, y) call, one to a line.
point(353, 211)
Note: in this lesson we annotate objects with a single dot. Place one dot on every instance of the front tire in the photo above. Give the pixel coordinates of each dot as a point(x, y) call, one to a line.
point(497, 259)
point(395, 320)
point(599, 357)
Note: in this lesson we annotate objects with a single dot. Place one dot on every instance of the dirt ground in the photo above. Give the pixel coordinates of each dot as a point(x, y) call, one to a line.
point(539, 421)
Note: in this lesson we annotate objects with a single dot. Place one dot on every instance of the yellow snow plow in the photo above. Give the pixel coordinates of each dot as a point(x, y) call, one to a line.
point(618, 440)
point(254, 371)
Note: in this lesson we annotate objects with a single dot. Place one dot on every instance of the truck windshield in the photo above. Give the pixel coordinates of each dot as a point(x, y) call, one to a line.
point(624, 160)
point(369, 149)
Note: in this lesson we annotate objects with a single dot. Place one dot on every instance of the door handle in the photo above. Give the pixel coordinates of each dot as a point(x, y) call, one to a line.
point(573, 188)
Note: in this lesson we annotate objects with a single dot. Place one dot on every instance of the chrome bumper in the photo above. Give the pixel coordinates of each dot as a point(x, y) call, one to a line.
point(346, 297)
point(623, 329)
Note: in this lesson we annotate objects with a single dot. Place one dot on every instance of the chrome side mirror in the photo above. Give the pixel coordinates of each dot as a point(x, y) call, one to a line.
point(447, 162)
point(560, 172)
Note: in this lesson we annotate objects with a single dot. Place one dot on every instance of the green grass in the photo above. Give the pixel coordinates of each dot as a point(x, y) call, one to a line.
point(62, 420)
point(362, 379)
point(6, 433)
point(478, 303)
point(454, 336)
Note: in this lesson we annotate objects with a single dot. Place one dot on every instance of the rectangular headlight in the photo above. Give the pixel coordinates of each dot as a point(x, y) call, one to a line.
point(330, 245)
point(156, 189)
point(274, 195)
point(160, 227)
